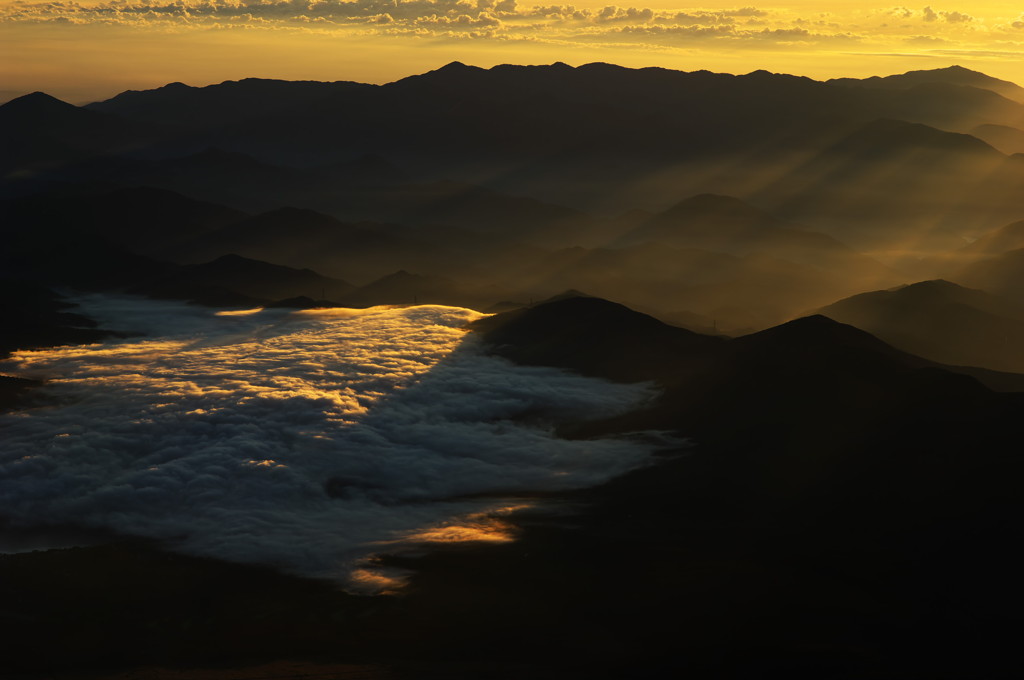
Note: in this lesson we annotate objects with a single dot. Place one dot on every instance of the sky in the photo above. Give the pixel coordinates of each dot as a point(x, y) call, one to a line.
point(89, 50)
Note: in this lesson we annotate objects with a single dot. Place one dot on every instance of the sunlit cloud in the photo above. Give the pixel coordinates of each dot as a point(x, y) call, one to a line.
point(307, 441)
point(487, 19)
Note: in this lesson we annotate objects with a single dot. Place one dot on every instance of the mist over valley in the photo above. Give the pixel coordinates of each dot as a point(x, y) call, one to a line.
point(517, 372)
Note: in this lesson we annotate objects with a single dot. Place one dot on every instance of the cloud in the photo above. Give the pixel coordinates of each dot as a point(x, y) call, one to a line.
point(559, 26)
point(304, 440)
point(440, 16)
point(954, 17)
point(957, 17)
point(927, 40)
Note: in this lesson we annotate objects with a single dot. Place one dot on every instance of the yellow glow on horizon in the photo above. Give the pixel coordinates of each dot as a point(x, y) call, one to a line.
point(93, 50)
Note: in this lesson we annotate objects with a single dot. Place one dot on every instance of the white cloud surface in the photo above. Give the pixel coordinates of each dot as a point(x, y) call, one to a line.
point(303, 440)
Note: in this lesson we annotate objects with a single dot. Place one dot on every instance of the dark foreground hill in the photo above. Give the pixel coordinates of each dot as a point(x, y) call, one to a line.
point(843, 510)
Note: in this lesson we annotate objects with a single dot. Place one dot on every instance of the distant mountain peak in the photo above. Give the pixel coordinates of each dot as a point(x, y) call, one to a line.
point(37, 101)
point(949, 75)
point(934, 284)
point(891, 134)
point(566, 295)
point(37, 96)
point(457, 67)
point(718, 205)
point(233, 257)
point(818, 330)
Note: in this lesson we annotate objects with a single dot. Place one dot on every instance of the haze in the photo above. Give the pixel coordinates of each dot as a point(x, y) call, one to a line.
point(571, 370)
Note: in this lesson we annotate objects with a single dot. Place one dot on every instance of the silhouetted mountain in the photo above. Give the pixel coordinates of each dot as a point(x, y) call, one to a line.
point(845, 507)
point(952, 75)
point(1001, 275)
point(404, 288)
point(40, 109)
point(895, 137)
point(301, 302)
point(726, 224)
point(566, 295)
point(891, 181)
point(211, 174)
point(62, 257)
point(515, 142)
point(462, 205)
point(841, 509)
point(731, 292)
point(234, 100)
point(251, 282)
point(782, 373)
point(35, 316)
point(1006, 139)
point(552, 131)
point(999, 241)
point(941, 321)
point(37, 131)
point(299, 237)
point(142, 219)
point(595, 337)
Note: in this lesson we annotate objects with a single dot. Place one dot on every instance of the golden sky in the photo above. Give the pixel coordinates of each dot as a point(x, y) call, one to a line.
point(87, 50)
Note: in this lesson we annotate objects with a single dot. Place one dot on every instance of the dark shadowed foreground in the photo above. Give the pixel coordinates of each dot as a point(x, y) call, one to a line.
point(846, 510)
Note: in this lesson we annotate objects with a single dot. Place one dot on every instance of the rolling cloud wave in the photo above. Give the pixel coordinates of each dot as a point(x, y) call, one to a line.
point(304, 440)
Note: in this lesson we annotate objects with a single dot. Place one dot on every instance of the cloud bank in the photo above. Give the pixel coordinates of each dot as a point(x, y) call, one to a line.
point(303, 440)
point(507, 20)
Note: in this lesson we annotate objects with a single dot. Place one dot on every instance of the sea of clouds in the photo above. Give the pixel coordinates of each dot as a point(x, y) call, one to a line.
point(306, 440)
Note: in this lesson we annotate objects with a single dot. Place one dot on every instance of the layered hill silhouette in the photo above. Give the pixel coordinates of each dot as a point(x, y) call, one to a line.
point(941, 321)
point(840, 508)
point(881, 165)
point(839, 493)
point(817, 446)
point(38, 131)
point(254, 281)
point(1009, 140)
point(1001, 274)
point(952, 75)
point(145, 220)
point(551, 134)
point(728, 225)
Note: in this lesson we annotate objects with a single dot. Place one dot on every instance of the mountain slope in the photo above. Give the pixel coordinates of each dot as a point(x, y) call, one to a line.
point(38, 131)
point(144, 220)
point(251, 280)
point(729, 225)
point(941, 321)
point(952, 75)
point(1001, 274)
